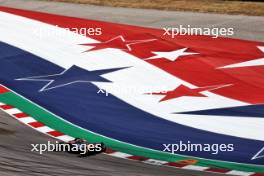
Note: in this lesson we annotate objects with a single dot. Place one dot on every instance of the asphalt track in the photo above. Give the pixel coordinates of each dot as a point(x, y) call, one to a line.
point(16, 158)
point(245, 27)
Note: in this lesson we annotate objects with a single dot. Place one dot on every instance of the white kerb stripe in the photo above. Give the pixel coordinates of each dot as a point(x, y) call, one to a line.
point(26, 120)
point(120, 155)
point(65, 138)
point(240, 173)
point(156, 162)
point(44, 129)
point(193, 167)
point(12, 111)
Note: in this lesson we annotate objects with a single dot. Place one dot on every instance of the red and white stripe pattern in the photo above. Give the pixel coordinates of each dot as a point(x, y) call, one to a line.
point(185, 164)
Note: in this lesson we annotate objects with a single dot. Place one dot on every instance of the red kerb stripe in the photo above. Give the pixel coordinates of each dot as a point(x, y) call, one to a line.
point(218, 170)
point(173, 164)
point(36, 124)
point(3, 90)
point(109, 151)
point(55, 133)
point(21, 115)
point(138, 158)
point(5, 107)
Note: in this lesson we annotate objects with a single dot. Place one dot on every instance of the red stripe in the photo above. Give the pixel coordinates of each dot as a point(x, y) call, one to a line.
point(213, 53)
point(6, 107)
point(173, 164)
point(3, 90)
point(21, 115)
point(109, 151)
point(55, 133)
point(138, 158)
point(217, 170)
point(36, 124)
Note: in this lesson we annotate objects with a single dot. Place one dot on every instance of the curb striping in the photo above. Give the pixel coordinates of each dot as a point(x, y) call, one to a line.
point(197, 168)
point(240, 173)
point(31, 122)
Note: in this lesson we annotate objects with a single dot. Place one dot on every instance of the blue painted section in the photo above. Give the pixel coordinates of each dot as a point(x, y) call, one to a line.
point(72, 75)
point(80, 104)
point(241, 111)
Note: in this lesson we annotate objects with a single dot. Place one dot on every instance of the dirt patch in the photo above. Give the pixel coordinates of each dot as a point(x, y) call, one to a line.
point(210, 6)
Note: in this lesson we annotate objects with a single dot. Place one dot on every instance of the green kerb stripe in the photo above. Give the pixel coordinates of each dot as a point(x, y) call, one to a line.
point(59, 124)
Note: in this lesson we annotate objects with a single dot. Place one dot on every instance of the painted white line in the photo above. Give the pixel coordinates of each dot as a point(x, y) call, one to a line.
point(259, 154)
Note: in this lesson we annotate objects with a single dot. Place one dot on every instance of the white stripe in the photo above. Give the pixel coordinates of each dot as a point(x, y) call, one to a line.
point(120, 154)
point(2, 104)
point(255, 62)
point(61, 51)
point(156, 162)
point(65, 138)
point(26, 120)
point(44, 129)
point(193, 167)
point(240, 173)
point(13, 111)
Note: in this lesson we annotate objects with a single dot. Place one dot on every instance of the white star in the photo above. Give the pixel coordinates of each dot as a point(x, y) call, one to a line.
point(171, 55)
point(259, 155)
point(118, 42)
point(255, 62)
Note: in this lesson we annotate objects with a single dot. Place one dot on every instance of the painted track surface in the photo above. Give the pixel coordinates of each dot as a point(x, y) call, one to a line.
point(152, 174)
point(16, 158)
point(246, 27)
